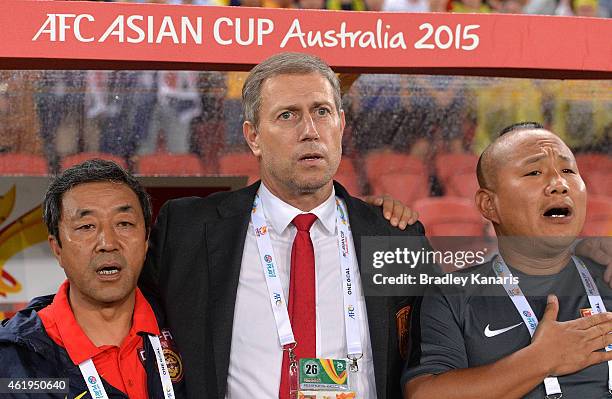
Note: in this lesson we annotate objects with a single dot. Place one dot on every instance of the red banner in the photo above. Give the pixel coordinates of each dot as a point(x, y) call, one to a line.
point(78, 35)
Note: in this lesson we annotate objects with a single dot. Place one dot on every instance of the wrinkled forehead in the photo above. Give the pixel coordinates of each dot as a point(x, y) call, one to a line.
point(95, 197)
point(526, 144)
point(297, 85)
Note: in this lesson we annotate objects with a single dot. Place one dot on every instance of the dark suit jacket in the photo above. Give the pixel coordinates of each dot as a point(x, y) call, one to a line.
point(192, 270)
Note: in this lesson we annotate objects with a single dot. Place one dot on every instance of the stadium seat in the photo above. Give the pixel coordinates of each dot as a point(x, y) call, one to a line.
point(76, 159)
point(598, 220)
point(599, 183)
point(590, 162)
point(450, 216)
point(462, 185)
point(164, 164)
point(347, 177)
point(378, 163)
point(449, 165)
point(23, 164)
point(240, 164)
point(406, 187)
point(596, 171)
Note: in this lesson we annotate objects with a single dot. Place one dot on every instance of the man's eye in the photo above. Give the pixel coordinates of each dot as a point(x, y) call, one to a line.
point(285, 115)
point(566, 170)
point(323, 111)
point(534, 173)
point(126, 224)
point(85, 227)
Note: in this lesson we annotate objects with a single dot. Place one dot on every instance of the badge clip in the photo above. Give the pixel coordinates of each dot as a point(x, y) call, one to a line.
point(353, 366)
point(293, 370)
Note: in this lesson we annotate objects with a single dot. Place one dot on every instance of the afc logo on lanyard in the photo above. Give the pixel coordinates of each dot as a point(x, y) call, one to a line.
point(269, 266)
point(344, 244)
point(530, 319)
point(351, 311)
point(95, 387)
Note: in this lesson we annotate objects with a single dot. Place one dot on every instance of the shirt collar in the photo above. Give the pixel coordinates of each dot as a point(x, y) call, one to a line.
point(73, 338)
point(284, 213)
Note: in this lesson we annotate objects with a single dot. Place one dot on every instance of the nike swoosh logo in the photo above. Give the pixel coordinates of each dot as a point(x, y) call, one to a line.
point(81, 395)
point(491, 333)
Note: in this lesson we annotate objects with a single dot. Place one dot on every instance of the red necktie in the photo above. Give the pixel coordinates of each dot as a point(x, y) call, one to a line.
point(301, 306)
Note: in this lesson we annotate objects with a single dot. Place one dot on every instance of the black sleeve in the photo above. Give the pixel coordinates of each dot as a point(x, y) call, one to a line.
point(437, 343)
point(149, 281)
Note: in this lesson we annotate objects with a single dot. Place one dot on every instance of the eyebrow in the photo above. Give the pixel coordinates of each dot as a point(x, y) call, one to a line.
point(295, 107)
point(536, 158)
point(125, 208)
point(81, 213)
point(319, 103)
point(290, 107)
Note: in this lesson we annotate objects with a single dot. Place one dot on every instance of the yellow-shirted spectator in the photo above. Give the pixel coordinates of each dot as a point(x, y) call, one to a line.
point(582, 111)
point(501, 102)
point(233, 108)
point(474, 6)
point(347, 5)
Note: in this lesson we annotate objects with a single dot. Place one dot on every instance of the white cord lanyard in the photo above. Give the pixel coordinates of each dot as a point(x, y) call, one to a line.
point(94, 382)
point(275, 289)
point(551, 384)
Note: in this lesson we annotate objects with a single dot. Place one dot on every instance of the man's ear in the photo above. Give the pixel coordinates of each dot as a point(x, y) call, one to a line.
point(249, 131)
point(485, 202)
point(56, 248)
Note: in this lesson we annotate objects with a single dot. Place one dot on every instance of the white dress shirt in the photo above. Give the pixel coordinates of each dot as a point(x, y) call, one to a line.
point(256, 355)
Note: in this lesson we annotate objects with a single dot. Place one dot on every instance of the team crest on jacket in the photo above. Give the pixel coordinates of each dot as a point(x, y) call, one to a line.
point(171, 354)
point(173, 359)
point(175, 365)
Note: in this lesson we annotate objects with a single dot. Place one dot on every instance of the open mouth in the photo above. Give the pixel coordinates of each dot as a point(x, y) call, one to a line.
point(108, 270)
point(558, 212)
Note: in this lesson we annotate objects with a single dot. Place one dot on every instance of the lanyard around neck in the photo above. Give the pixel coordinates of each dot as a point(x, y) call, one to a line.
point(275, 290)
point(94, 382)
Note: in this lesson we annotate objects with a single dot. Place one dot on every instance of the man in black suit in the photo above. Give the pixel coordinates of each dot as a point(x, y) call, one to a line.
point(204, 265)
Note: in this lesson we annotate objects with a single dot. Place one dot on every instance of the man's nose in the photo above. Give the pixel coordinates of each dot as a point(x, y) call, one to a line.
point(107, 239)
point(558, 185)
point(309, 128)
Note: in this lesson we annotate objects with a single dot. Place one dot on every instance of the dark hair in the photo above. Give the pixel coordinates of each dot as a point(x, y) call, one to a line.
point(521, 126)
point(91, 171)
point(515, 127)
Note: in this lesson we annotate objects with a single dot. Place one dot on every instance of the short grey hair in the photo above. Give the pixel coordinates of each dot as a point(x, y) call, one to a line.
point(283, 64)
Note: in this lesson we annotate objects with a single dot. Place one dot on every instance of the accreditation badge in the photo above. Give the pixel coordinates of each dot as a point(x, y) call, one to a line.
point(323, 379)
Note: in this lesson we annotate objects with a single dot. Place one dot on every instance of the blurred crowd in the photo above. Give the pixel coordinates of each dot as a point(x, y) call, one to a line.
point(135, 113)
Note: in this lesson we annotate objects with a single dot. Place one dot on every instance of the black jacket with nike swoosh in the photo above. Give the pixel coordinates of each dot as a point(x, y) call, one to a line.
point(464, 327)
point(26, 351)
